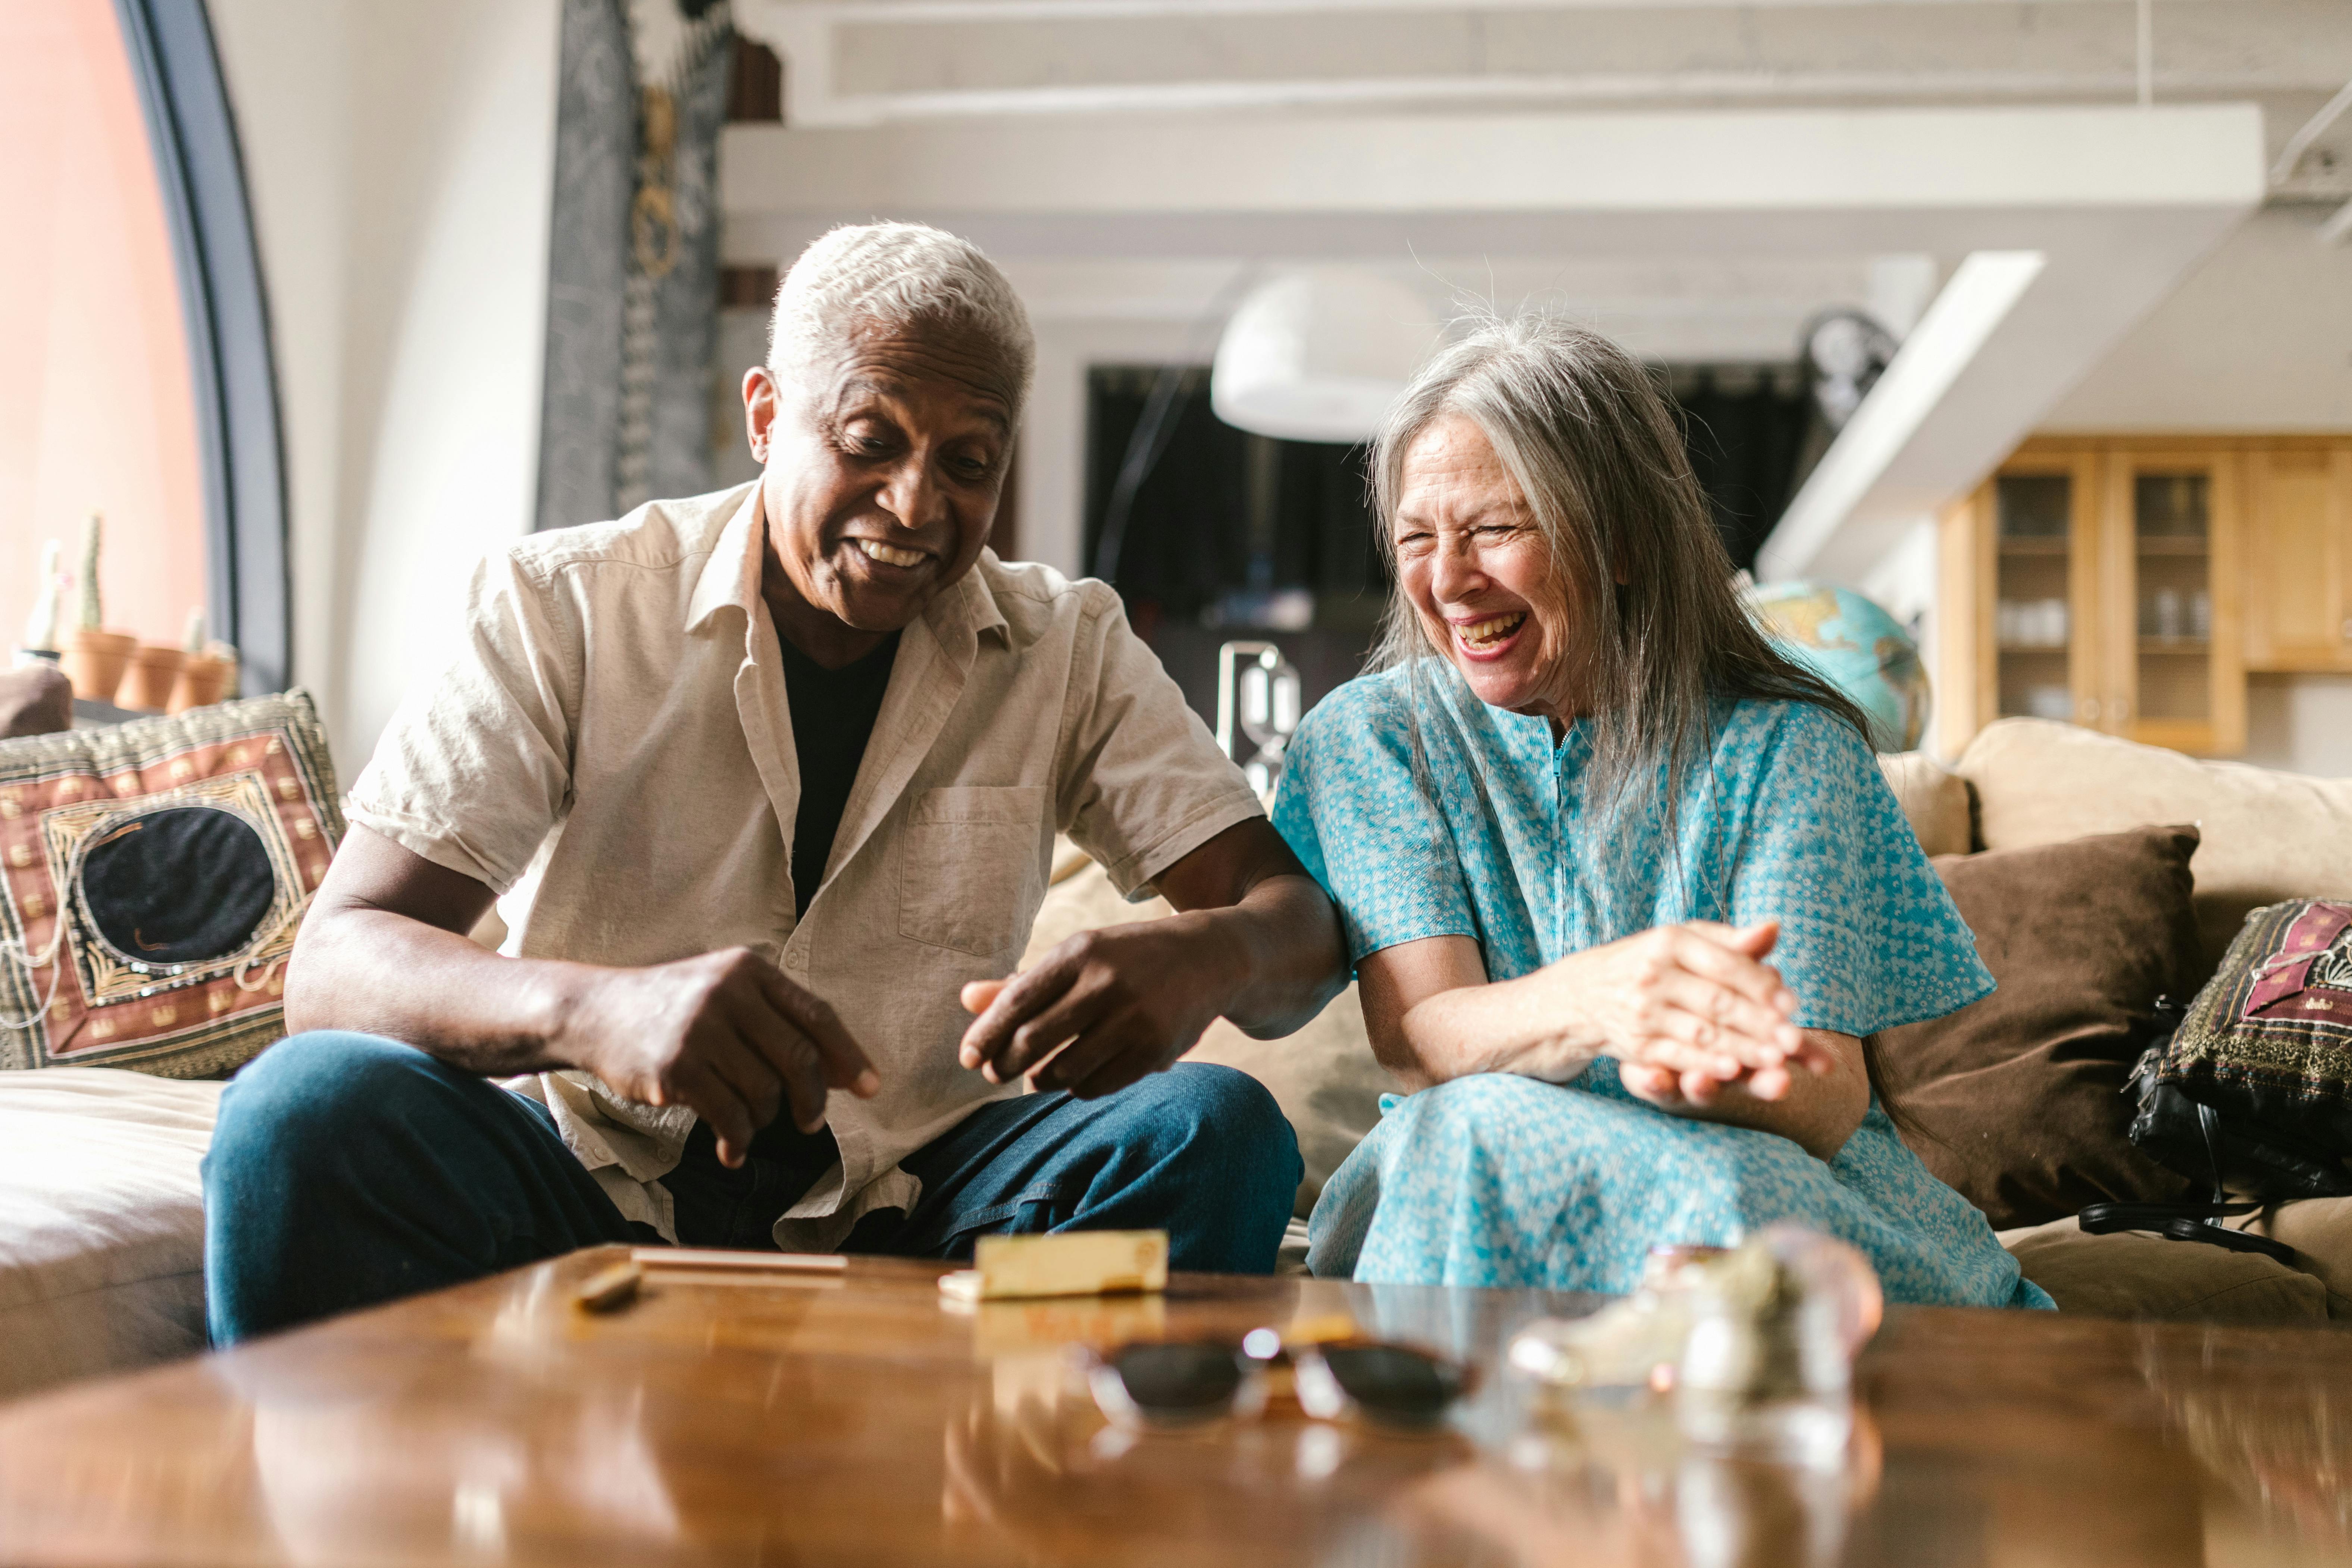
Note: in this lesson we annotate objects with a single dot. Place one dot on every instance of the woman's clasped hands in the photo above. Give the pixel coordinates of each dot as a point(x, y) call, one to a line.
point(1688, 1011)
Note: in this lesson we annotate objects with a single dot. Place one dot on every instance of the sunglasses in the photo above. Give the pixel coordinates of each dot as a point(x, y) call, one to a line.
point(1189, 1383)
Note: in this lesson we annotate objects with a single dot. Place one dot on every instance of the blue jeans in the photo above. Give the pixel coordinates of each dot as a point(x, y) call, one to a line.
point(347, 1170)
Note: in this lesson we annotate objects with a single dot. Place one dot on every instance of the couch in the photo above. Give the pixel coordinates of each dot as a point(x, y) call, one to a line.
point(101, 1221)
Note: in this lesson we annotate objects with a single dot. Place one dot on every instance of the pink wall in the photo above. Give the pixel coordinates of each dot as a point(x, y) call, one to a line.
point(95, 402)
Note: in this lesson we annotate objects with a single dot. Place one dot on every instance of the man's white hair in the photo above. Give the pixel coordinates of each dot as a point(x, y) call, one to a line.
point(900, 277)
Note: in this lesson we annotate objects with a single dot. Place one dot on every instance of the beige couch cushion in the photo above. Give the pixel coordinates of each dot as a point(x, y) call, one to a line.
point(102, 1222)
point(2268, 835)
point(2320, 1231)
point(1323, 1077)
point(2129, 1275)
point(1934, 799)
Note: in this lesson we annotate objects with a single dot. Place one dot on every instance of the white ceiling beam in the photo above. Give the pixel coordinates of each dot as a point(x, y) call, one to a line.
point(872, 62)
point(1747, 161)
point(818, 106)
point(2004, 341)
point(1949, 340)
point(2119, 202)
point(910, 12)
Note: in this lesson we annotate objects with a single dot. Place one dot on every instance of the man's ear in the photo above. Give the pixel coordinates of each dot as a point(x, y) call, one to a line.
point(759, 407)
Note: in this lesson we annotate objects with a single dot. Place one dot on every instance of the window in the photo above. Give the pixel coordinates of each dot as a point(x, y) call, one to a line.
point(134, 362)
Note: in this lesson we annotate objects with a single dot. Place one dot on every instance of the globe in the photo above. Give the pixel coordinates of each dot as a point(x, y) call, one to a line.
point(1857, 648)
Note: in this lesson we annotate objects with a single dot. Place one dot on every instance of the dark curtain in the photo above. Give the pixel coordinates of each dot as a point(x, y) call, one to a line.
point(1194, 532)
point(1327, 543)
point(1186, 537)
point(595, 159)
point(1745, 433)
point(632, 266)
point(1204, 524)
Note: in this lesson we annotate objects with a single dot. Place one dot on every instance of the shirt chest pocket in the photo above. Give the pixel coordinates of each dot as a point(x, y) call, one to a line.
point(972, 875)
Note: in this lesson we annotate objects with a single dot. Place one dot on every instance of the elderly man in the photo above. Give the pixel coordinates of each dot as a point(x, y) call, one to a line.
point(777, 773)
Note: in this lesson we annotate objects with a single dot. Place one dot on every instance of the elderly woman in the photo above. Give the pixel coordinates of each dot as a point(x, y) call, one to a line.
point(1624, 888)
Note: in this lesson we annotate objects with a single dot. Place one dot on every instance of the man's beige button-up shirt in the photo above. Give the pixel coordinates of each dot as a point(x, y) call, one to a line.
point(612, 750)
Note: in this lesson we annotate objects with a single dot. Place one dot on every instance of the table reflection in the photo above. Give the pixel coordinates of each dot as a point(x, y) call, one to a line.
point(1602, 1478)
point(1032, 1464)
point(1517, 1476)
point(736, 1426)
point(351, 1462)
point(2275, 1445)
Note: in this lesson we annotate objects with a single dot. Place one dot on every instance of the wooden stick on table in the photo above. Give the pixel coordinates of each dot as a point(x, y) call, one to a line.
point(751, 1262)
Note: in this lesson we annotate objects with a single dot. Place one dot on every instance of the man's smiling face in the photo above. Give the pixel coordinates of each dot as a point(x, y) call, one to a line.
point(883, 471)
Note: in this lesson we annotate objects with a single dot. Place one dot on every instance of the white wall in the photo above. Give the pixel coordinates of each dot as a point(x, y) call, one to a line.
point(2300, 723)
point(2258, 338)
point(400, 160)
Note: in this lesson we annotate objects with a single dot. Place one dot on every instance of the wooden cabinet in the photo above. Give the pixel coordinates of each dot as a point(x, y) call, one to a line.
point(2299, 560)
point(2129, 583)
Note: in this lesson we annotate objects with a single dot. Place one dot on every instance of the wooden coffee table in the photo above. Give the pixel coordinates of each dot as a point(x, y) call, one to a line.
point(855, 1421)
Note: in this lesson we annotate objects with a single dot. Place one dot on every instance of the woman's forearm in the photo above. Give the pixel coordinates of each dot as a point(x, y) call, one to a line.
point(1434, 1016)
point(1816, 1111)
point(1505, 1025)
point(1510, 1026)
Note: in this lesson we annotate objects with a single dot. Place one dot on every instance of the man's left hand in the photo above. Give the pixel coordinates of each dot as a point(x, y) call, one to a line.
point(1100, 1011)
point(1257, 943)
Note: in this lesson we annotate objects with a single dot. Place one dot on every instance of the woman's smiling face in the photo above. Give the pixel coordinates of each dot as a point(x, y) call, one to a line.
point(1475, 567)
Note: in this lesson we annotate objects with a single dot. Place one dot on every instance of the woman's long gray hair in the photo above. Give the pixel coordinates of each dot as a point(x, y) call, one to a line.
point(1661, 638)
point(1662, 642)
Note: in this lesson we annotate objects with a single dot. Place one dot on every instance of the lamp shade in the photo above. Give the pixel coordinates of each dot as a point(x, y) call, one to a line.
point(1318, 354)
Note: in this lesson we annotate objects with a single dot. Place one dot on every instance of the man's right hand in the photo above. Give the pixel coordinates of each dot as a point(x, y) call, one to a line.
point(725, 1034)
point(383, 950)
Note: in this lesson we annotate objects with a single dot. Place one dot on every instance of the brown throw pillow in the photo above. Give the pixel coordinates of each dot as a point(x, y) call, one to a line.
point(2019, 1097)
point(35, 700)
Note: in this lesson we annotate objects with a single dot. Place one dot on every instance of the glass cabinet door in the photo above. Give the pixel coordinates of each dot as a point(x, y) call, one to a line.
point(2041, 526)
point(2097, 580)
point(2177, 662)
point(2172, 513)
point(2033, 514)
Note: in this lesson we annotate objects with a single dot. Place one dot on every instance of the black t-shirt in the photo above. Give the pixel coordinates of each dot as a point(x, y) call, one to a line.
point(832, 718)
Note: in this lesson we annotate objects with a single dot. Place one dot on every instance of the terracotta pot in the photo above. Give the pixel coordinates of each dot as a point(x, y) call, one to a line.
point(94, 661)
point(203, 680)
point(147, 684)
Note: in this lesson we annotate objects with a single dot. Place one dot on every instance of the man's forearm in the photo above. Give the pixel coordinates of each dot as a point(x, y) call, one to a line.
point(1283, 940)
point(386, 974)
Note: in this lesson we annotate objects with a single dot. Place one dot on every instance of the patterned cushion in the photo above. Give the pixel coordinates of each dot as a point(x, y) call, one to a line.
point(151, 878)
point(2268, 1044)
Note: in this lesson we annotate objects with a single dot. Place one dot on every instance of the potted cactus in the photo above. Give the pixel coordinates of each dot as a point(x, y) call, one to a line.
point(207, 670)
point(94, 657)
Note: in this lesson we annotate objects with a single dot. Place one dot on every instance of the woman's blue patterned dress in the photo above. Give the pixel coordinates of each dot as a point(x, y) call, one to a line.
point(1500, 1180)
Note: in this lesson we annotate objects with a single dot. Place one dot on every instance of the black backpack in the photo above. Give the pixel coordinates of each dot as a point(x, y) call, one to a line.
point(2251, 1089)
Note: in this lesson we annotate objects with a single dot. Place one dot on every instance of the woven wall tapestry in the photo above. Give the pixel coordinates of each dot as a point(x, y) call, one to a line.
point(633, 256)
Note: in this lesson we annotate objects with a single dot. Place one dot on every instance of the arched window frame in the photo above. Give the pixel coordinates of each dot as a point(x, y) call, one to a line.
point(201, 171)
